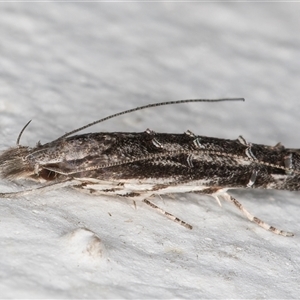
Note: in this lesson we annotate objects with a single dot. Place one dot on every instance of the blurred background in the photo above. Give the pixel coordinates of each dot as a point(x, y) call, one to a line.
point(87, 60)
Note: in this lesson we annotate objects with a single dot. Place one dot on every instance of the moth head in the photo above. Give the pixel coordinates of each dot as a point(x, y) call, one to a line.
point(13, 163)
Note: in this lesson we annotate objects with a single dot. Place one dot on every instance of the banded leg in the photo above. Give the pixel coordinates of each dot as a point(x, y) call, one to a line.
point(168, 215)
point(41, 189)
point(254, 219)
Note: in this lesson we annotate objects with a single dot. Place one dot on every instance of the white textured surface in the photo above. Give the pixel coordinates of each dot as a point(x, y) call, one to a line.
point(66, 64)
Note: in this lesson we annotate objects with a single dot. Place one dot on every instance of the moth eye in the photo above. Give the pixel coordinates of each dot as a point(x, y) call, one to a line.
point(48, 174)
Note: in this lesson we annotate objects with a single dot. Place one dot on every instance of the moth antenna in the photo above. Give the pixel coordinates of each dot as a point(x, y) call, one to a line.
point(19, 137)
point(144, 107)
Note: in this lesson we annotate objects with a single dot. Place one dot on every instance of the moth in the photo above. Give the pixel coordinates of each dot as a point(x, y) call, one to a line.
point(140, 165)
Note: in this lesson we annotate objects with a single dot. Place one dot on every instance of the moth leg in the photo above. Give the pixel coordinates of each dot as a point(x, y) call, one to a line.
point(41, 189)
point(254, 219)
point(215, 192)
point(167, 214)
